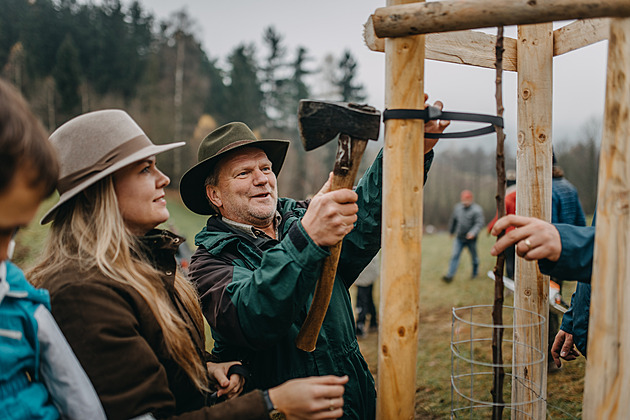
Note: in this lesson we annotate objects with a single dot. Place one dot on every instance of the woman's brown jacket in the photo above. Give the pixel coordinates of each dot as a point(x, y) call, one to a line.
point(121, 346)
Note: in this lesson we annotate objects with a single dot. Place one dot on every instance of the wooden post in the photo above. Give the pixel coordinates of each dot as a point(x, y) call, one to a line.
point(607, 388)
point(533, 192)
point(456, 15)
point(402, 230)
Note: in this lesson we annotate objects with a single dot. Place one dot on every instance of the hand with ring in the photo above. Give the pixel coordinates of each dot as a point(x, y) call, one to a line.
point(535, 239)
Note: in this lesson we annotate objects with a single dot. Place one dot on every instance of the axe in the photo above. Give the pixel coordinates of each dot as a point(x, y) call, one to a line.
point(353, 125)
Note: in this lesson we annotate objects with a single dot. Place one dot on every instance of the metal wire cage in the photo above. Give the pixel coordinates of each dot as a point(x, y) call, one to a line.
point(472, 366)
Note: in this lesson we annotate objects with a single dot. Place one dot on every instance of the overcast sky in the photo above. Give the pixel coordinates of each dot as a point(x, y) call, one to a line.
point(331, 26)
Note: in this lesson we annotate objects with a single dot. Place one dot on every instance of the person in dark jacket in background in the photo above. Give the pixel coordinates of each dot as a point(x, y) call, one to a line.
point(260, 256)
point(565, 202)
point(563, 251)
point(465, 224)
point(133, 321)
point(365, 299)
point(565, 209)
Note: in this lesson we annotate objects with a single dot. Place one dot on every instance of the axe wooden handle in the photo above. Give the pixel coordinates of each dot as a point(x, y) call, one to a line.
point(349, 154)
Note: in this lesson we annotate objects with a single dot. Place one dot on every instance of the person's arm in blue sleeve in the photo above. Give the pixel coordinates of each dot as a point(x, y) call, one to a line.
point(567, 318)
point(562, 251)
point(576, 258)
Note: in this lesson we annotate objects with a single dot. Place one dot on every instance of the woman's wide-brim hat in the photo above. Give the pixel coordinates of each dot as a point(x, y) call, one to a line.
point(192, 186)
point(94, 145)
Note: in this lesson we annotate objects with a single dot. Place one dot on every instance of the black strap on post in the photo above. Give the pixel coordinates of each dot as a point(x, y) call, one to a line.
point(434, 113)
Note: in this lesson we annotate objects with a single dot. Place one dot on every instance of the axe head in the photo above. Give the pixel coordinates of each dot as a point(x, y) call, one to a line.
point(321, 121)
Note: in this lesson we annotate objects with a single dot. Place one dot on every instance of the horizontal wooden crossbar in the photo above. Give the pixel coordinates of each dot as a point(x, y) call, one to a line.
point(457, 15)
point(475, 48)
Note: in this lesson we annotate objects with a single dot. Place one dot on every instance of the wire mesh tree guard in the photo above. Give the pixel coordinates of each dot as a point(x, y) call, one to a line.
point(471, 360)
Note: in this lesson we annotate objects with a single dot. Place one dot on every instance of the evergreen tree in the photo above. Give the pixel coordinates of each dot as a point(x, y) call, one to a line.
point(349, 89)
point(273, 82)
point(325, 84)
point(216, 102)
point(67, 75)
point(298, 89)
point(41, 35)
point(245, 97)
point(12, 16)
point(141, 35)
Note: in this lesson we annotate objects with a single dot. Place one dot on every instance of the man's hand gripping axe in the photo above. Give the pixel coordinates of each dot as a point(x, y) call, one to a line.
point(353, 124)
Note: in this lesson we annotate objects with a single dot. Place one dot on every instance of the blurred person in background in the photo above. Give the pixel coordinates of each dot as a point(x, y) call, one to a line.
point(365, 297)
point(465, 224)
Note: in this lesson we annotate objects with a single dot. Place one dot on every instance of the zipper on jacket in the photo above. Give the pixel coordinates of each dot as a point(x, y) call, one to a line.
point(15, 335)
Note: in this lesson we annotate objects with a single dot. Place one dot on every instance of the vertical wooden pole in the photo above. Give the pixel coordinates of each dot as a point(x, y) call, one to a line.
point(402, 230)
point(607, 388)
point(533, 189)
point(497, 307)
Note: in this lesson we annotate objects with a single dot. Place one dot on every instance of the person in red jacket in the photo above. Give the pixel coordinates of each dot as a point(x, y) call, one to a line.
point(510, 208)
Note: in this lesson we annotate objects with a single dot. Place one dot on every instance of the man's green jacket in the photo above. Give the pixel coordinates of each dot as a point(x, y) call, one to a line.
point(256, 291)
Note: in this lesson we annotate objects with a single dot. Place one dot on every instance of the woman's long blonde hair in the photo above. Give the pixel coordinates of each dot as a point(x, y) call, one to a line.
point(89, 231)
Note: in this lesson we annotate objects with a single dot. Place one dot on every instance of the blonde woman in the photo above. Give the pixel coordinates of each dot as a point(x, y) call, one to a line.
point(133, 321)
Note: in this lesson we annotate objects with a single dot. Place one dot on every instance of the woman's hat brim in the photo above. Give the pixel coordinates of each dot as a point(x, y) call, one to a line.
point(139, 155)
point(192, 186)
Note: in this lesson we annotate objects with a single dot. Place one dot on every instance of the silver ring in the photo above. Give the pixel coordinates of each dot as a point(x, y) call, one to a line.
point(331, 408)
point(528, 244)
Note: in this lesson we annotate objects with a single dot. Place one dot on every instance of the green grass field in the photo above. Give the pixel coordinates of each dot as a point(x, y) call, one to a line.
point(433, 390)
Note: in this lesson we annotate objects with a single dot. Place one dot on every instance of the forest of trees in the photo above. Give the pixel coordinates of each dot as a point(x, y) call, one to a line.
point(455, 170)
point(69, 58)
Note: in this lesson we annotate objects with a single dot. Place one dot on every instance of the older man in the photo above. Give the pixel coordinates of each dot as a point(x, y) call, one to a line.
point(260, 256)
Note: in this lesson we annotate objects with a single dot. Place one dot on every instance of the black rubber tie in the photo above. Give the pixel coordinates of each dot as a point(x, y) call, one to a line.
point(434, 113)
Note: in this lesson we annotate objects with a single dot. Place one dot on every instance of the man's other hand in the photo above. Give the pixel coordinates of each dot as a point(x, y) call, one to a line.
point(433, 126)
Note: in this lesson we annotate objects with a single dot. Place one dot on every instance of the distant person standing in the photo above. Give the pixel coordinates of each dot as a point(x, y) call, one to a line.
point(365, 300)
point(465, 224)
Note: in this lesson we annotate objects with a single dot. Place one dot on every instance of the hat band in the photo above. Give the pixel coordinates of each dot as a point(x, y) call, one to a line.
point(115, 155)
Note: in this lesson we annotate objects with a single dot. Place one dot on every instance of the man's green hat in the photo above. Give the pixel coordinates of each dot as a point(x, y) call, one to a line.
point(212, 148)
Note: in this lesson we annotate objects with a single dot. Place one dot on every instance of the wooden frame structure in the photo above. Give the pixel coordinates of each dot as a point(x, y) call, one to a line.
point(403, 23)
